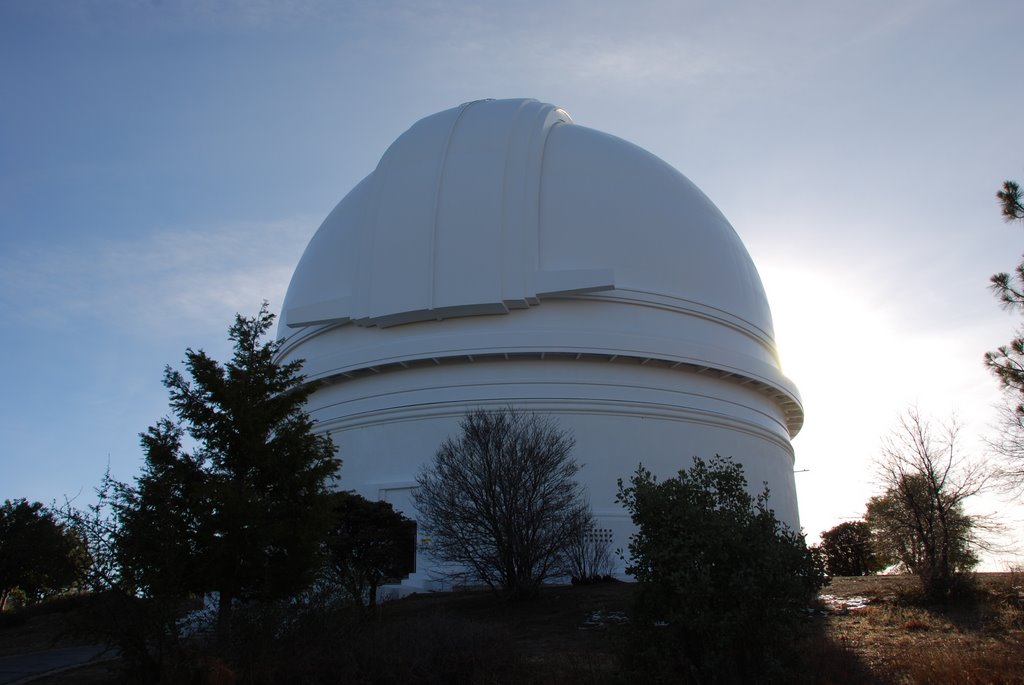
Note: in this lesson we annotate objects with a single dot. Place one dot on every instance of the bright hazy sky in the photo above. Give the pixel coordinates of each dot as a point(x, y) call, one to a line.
point(164, 163)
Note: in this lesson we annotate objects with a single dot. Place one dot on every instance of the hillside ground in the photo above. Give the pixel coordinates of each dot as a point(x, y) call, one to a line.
point(874, 629)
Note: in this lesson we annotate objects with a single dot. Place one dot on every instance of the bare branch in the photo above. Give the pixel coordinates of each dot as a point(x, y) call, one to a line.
point(501, 502)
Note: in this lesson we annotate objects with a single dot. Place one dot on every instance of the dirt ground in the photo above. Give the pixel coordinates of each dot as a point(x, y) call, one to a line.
point(878, 630)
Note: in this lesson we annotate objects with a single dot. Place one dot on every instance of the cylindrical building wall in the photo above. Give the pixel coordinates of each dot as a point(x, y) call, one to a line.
point(621, 412)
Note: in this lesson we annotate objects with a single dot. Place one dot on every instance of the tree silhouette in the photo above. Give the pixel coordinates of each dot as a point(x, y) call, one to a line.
point(1007, 361)
point(368, 544)
point(849, 550)
point(722, 584)
point(39, 555)
point(920, 519)
point(500, 501)
point(244, 511)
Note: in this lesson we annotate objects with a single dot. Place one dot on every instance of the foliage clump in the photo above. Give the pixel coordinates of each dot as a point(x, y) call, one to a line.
point(40, 556)
point(368, 544)
point(849, 550)
point(723, 584)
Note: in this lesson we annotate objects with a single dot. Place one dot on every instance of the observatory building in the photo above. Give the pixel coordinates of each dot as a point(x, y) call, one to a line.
point(501, 255)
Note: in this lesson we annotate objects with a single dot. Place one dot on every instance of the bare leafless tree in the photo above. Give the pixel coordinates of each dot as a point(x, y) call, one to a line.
point(588, 554)
point(500, 500)
point(921, 516)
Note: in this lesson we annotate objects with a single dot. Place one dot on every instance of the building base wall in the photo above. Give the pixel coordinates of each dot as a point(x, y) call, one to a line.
point(388, 427)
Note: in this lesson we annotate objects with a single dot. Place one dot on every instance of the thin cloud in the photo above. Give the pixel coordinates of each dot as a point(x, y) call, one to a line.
point(156, 284)
point(642, 45)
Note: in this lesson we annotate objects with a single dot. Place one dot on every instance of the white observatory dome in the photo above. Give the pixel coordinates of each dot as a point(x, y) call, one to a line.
point(501, 255)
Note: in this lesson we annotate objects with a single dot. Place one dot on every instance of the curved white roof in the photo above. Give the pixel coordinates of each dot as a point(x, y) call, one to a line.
point(500, 205)
point(490, 205)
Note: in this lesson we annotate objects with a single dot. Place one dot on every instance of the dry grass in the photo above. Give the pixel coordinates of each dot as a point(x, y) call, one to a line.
point(902, 639)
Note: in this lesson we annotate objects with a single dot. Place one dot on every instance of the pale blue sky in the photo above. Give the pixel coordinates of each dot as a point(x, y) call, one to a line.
point(163, 164)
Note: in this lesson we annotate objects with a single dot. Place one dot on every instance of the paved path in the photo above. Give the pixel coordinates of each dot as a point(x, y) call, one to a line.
point(21, 668)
